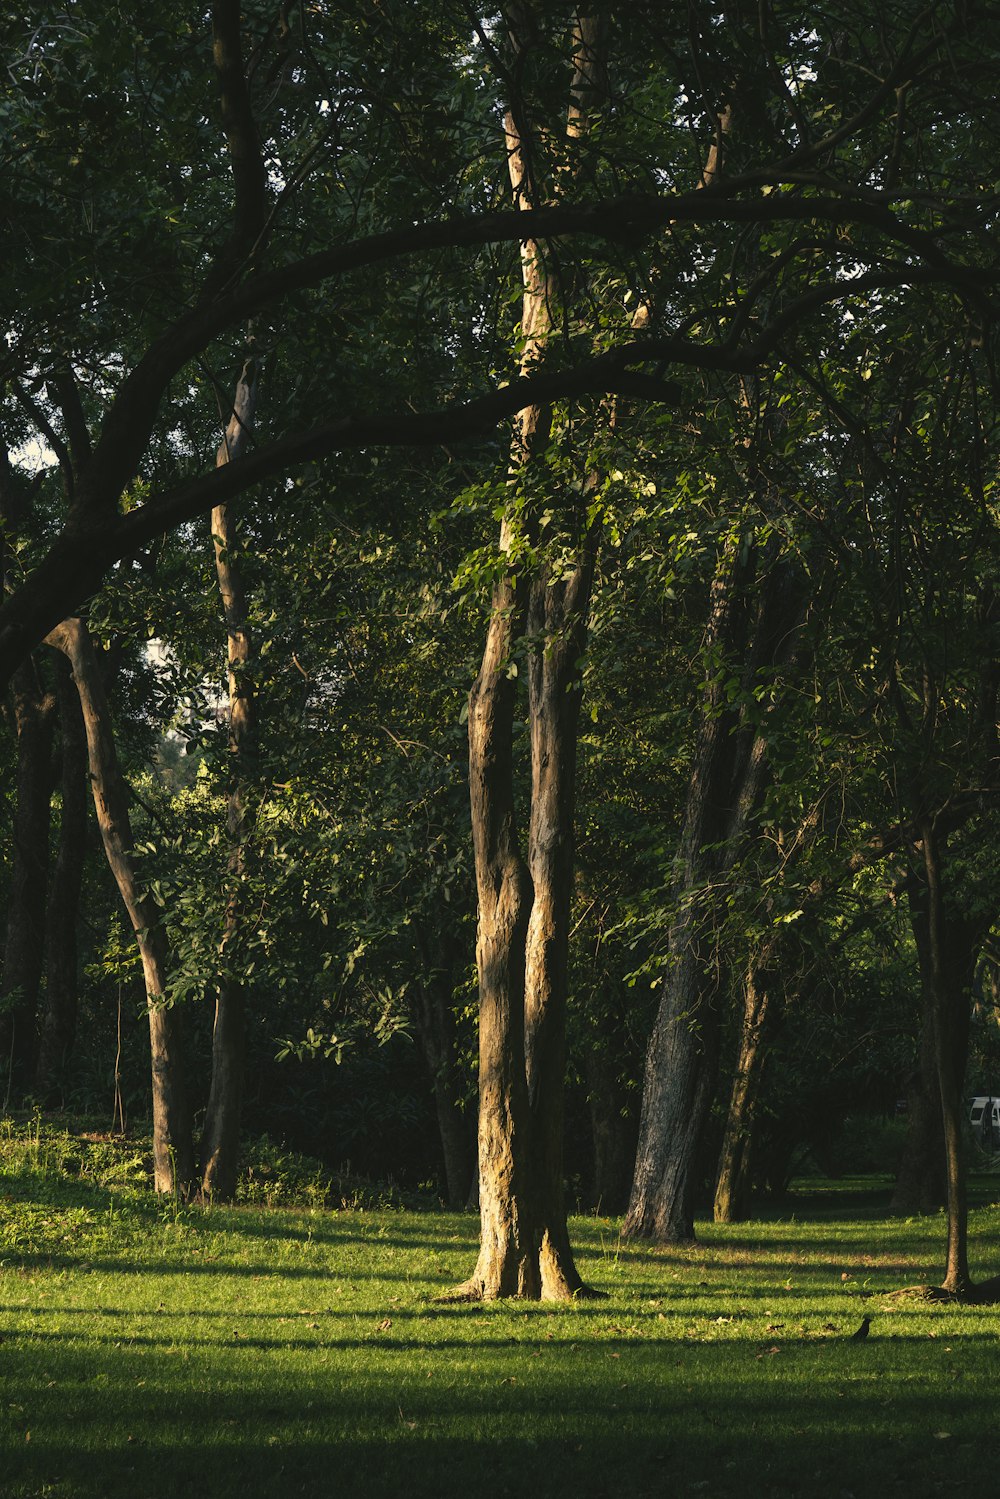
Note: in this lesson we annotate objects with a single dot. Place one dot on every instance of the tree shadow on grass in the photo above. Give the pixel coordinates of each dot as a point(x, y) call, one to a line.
point(709, 1419)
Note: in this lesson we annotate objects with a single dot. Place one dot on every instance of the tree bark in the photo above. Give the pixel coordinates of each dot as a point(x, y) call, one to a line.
point(435, 1025)
point(173, 1153)
point(732, 1190)
point(752, 625)
point(614, 1141)
point(557, 627)
point(522, 940)
point(220, 1139)
point(920, 1181)
point(34, 713)
point(509, 1240)
point(952, 950)
point(58, 1027)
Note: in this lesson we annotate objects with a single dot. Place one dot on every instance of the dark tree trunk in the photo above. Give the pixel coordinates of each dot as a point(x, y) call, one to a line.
point(612, 1134)
point(435, 1024)
point(920, 1181)
point(951, 952)
point(752, 626)
point(173, 1153)
point(757, 609)
point(453, 1132)
point(58, 1027)
point(34, 714)
point(732, 1190)
point(220, 1138)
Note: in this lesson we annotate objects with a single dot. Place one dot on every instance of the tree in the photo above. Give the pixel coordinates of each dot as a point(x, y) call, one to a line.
point(102, 360)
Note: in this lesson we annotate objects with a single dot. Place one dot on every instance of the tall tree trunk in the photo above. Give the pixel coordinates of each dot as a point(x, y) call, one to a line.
point(522, 940)
point(732, 1189)
point(509, 1240)
point(220, 1139)
point(34, 714)
point(952, 949)
point(557, 626)
point(58, 1027)
point(435, 1025)
point(614, 1140)
point(920, 1181)
point(173, 1153)
point(753, 625)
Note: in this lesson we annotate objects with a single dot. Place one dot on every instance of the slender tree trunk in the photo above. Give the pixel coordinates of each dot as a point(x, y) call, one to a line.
point(558, 627)
point(683, 1051)
point(454, 1136)
point(509, 1239)
point(34, 713)
point(58, 1027)
point(920, 1181)
point(951, 959)
point(753, 625)
point(173, 1154)
point(614, 1141)
point(220, 1137)
point(732, 1190)
point(522, 940)
point(435, 1024)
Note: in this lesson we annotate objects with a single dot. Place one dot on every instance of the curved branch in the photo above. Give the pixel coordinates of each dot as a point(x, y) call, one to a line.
point(133, 412)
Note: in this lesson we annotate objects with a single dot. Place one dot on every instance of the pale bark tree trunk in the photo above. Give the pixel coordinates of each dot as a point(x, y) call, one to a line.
point(509, 1241)
point(34, 715)
point(557, 624)
point(173, 1154)
point(220, 1137)
point(522, 940)
point(58, 1028)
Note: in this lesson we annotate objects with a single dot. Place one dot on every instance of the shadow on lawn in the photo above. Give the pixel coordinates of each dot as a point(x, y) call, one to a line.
point(157, 1428)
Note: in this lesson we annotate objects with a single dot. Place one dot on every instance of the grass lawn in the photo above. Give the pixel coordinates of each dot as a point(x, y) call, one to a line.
point(245, 1352)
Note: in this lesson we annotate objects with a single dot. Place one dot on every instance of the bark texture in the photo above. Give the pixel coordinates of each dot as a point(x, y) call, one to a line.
point(58, 1027)
point(732, 1189)
point(173, 1154)
point(34, 717)
point(220, 1138)
point(435, 1024)
point(522, 937)
point(753, 625)
point(949, 949)
point(920, 1181)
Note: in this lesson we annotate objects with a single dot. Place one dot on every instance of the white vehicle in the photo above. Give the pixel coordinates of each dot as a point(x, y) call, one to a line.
point(978, 1109)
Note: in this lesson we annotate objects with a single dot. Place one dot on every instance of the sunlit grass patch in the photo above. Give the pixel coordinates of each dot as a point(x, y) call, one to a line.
point(150, 1349)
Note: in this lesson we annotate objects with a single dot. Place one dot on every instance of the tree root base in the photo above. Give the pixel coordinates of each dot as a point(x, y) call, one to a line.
point(473, 1291)
point(986, 1293)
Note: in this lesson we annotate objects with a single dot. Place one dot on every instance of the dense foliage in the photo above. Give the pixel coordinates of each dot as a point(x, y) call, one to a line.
point(769, 368)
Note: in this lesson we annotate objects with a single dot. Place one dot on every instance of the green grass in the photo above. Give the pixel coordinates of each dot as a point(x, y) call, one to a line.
point(147, 1350)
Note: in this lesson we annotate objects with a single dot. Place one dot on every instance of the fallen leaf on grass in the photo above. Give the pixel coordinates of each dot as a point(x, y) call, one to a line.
point(385, 1324)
